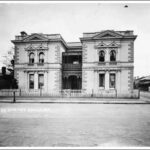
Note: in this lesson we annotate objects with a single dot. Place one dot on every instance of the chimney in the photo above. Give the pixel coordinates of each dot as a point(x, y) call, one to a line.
point(23, 33)
point(3, 71)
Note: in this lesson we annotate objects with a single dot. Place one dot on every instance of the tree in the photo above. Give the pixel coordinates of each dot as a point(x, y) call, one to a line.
point(9, 64)
point(9, 61)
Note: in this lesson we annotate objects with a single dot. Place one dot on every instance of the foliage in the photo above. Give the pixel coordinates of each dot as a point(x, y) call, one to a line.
point(9, 60)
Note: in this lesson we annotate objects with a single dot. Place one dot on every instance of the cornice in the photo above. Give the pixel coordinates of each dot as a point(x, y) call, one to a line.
point(108, 38)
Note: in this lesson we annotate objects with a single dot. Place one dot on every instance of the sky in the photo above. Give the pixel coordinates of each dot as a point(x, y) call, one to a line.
point(72, 19)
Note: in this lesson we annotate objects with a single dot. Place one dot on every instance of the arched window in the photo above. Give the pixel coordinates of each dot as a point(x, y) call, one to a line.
point(31, 58)
point(41, 58)
point(113, 55)
point(101, 56)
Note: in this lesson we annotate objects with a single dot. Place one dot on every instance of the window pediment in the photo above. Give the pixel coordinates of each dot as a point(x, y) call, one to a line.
point(102, 45)
point(114, 44)
point(32, 47)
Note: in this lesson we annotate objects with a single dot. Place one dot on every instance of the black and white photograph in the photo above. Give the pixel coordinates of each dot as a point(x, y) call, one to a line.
point(74, 74)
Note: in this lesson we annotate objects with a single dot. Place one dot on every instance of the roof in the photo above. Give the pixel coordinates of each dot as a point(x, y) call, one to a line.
point(146, 78)
point(108, 34)
point(45, 37)
point(72, 44)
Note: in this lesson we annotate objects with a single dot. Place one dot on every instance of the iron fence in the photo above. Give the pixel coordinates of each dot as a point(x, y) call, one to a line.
point(67, 93)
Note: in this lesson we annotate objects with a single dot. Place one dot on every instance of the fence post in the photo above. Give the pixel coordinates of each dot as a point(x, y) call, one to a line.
point(139, 93)
point(14, 97)
point(41, 91)
point(116, 93)
point(20, 92)
point(92, 93)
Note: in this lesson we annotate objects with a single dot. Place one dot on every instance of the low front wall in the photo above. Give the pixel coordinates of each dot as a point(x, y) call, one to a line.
point(69, 93)
point(145, 94)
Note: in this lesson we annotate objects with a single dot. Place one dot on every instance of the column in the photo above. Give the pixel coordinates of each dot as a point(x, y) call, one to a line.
point(36, 57)
point(118, 55)
point(107, 80)
point(107, 55)
point(45, 81)
point(27, 79)
point(118, 81)
point(35, 80)
point(96, 81)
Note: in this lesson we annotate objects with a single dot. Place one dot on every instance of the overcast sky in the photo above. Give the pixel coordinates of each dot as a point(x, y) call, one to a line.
point(72, 19)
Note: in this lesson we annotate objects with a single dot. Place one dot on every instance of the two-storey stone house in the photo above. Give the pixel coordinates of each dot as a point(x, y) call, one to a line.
point(100, 64)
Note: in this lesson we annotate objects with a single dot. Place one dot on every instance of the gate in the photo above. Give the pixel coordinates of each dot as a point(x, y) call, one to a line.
point(71, 93)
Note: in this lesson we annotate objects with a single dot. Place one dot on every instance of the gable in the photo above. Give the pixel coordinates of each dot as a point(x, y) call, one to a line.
point(107, 34)
point(35, 37)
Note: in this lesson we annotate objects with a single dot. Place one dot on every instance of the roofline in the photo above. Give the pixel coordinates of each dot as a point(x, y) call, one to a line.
point(122, 38)
point(106, 30)
point(50, 40)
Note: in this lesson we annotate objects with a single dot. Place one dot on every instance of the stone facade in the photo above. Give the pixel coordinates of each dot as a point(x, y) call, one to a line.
point(100, 64)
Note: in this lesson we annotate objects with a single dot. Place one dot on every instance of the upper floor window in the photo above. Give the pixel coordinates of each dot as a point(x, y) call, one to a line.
point(113, 55)
point(31, 58)
point(101, 56)
point(41, 58)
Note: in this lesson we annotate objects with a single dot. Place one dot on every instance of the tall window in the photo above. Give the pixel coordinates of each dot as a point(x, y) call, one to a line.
point(41, 81)
point(112, 82)
point(31, 58)
point(113, 55)
point(101, 80)
point(101, 56)
point(41, 58)
point(31, 81)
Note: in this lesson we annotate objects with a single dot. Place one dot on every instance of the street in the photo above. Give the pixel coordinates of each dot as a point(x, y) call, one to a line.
point(74, 125)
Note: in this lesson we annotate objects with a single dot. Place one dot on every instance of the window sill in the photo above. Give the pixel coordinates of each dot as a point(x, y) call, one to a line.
point(101, 63)
point(101, 88)
point(30, 64)
point(40, 64)
point(113, 63)
point(112, 88)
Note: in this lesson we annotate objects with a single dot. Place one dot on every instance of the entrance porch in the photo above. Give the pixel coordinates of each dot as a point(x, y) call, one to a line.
point(72, 82)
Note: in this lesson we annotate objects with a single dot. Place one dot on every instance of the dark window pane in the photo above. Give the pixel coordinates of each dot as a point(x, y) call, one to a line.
point(112, 55)
point(41, 81)
point(101, 80)
point(112, 80)
point(41, 57)
point(31, 81)
point(101, 56)
point(31, 58)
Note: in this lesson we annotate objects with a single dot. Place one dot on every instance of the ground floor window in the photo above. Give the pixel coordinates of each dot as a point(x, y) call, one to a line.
point(40, 81)
point(112, 82)
point(31, 81)
point(101, 80)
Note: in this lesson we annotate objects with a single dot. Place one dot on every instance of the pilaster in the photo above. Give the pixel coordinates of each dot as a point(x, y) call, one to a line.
point(45, 81)
point(118, 81)
point(107, 80)
point(107, 55)
point(35, 80)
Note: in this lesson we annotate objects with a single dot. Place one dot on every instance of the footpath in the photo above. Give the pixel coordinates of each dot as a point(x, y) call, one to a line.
point(142, 100)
